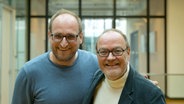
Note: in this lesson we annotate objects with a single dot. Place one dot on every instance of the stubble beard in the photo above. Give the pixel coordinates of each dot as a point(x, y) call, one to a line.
point(64, 59)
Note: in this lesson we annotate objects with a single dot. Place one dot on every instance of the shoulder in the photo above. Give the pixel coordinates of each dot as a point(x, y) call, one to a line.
point(87, 55)
point(39, 58)
point(35, 63)
point(143, 88)
point(140, 80)
point(84, 52)
point(143, 83)
point(98, 75)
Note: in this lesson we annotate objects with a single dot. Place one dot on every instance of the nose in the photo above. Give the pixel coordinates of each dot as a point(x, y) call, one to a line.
point(111, 56)
point(64, 42)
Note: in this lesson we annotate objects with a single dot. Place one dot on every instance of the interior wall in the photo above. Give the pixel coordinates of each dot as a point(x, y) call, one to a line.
point(175, 48)
point(8, 54)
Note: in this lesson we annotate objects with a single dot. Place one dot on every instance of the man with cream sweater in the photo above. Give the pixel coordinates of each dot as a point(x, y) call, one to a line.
point(117, 82)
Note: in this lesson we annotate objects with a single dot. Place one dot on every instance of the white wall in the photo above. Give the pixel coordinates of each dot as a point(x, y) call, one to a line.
point(8, 53)
point(175, 47)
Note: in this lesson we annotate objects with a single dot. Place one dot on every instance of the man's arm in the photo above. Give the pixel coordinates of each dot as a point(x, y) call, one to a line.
point(21, 94)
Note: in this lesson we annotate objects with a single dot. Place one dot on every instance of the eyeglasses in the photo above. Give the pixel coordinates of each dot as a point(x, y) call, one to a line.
point(115, 51)
point(69, 37)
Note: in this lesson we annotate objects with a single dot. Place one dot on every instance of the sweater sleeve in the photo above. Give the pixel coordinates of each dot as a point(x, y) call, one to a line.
point(22, 90)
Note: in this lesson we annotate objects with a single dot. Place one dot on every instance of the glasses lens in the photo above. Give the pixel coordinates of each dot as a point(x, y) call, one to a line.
point(117, 51)
point(71, 37)
point(57, 37)
point(103, 52)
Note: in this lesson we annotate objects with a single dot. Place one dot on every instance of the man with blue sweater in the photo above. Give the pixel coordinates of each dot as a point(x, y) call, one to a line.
point(62, 75)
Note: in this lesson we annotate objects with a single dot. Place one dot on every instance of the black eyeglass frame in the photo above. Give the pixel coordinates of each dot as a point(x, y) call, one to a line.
point(118, 51)
point(67, 37)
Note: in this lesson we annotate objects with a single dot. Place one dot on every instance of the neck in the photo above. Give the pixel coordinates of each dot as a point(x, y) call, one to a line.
point(63, 63)
point(120, 82)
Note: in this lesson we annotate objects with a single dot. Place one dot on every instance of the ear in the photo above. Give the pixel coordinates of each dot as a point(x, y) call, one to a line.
point(49, 36)
point(128, 53)
point(81, 37)
point(49, 33)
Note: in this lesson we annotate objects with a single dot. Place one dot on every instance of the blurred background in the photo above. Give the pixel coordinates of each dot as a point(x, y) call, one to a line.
point(154, 29)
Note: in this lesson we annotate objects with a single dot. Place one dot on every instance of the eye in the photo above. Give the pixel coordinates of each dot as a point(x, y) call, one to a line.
point(118, 51)
point(57, 36)
point(71, 37)
point(103, 52)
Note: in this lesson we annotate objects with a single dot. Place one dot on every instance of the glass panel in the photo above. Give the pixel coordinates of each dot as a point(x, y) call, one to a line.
point(37, 37)
point(21, 41)
point(131, 7)
point(157, 7)
point(21, 7)
point(55, 5)
point(135, 29)
point(48, 43)
point(5, 2)
point(97, 7)
point(1, 48)
point(92, 31)
point(157, 49)
point(38, 7)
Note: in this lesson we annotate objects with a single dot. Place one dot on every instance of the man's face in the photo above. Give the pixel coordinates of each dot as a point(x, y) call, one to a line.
point(112, 66)
point(64, 50)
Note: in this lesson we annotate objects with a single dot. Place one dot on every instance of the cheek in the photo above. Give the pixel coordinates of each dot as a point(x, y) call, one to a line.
point(100, 61)
point(74, 46)
point(123, 62)
point(54, 45)
point(127, 59)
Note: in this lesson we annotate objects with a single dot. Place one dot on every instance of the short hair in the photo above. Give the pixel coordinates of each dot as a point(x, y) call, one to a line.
point(115, 30)
point(64, 11)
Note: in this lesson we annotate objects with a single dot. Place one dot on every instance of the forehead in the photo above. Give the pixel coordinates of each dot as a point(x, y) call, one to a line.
point(65, 17)
point(65, 22)
point(111, 40)
point(111, 37)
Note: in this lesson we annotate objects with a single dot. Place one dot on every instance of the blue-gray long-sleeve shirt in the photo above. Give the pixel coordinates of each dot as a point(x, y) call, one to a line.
point(42, 82)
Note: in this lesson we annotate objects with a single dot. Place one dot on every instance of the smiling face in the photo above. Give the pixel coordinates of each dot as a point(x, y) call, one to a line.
point(113, 67)
point(64, 52)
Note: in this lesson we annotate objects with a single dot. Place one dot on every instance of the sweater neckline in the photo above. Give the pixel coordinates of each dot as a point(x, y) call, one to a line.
point(119, 83)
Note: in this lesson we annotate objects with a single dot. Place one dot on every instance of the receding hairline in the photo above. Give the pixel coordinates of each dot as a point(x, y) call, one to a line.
point(64, 11)
point(116, 31)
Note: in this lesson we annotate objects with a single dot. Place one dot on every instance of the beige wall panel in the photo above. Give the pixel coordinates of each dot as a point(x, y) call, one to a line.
point(175, 48)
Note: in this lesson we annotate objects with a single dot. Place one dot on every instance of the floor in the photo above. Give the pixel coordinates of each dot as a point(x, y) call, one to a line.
point(174, 101)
